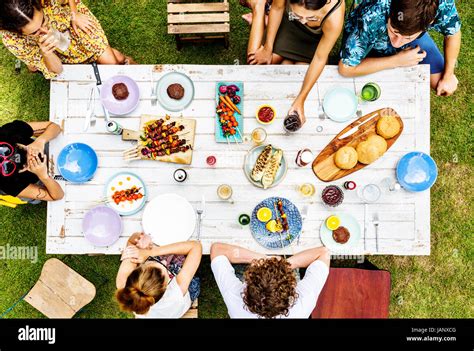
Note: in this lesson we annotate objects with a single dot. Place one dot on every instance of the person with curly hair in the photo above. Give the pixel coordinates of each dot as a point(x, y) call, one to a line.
point(270, 288)
point(45, 34)
point(384, 34)
point(158, 281)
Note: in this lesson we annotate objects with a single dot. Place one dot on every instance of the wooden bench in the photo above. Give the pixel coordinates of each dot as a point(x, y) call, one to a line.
point(354, 293)
point(198, 21)
point(60, 291)
point(193, 311)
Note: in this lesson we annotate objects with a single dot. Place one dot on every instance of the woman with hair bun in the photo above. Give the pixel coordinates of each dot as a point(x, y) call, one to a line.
point(158, 281)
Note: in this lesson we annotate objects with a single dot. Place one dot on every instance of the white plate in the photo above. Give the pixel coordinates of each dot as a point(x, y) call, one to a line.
point(351, 224)
point(169, 218)
point(172, 104)
point(340, 104)
point(124, 181)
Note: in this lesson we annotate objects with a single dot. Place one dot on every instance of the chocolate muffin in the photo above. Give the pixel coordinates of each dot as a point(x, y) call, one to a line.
point(341, 235)
point(120, 91)
point(175, 91)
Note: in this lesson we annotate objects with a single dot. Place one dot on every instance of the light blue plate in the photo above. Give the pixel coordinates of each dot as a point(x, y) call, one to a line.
point(77, 162)
point(220, 138)
point(340, 104)
point(416, 171)
point(169, 103)
point(249, 163)
point(125, 208)
point(351, 224)
point(271, 240)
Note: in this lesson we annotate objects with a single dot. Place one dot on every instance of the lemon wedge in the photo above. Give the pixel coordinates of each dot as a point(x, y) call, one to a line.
point(264, 214)
point(333, 222)
point(272, 226)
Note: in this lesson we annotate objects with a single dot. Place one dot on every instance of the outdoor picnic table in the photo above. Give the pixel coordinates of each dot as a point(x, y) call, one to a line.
point(404, 217)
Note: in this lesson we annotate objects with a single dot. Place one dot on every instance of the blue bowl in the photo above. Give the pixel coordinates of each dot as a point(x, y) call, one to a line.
point(416, 171)
point(77, 162)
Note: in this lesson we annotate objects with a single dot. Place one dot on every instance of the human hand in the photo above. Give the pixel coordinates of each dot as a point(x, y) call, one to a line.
point(447, 85)
point(37, 166)
point(298, 106)
point(141, 240)
point(35, 148)
point(410, 57)
point(47, 42)
point(82, 22)
point(262, 56)
point(129, 253)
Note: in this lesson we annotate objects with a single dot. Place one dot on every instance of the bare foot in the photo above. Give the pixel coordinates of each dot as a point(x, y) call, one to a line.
point(248, 17)
point(129, 61)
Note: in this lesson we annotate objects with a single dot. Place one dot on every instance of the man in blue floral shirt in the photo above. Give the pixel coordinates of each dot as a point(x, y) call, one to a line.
point(383, 34)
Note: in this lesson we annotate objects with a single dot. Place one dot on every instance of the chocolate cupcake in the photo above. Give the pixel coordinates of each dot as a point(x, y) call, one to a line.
point(120, 91)
point(175, 91)
point(341, 235)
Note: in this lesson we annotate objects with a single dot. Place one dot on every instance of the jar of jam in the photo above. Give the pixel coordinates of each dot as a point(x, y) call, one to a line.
point(292, 122)
point(332, 196)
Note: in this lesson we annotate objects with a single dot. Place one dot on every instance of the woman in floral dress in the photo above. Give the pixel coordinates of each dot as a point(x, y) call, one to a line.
point(27, 29)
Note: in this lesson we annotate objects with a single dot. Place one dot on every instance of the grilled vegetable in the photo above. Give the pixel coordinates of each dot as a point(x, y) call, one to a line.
point(261, 163)
point(271, 169)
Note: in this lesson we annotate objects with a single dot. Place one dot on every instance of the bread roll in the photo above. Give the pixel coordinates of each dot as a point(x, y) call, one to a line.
point(370, 150)
point(388, 126)
point(346, 157)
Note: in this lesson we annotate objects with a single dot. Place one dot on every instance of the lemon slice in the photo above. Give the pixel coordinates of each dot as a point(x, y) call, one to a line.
point(264, 214)
point(333, 222)
point(272, 226)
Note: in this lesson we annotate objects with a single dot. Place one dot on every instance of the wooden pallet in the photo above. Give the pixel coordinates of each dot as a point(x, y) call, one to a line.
point(198, 21)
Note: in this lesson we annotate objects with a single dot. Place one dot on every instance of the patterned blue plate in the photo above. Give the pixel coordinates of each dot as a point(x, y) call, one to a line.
point(271, 240)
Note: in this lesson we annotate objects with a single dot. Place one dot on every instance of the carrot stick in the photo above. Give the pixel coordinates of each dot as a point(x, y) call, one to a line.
point(231, 104)
point(222, 98)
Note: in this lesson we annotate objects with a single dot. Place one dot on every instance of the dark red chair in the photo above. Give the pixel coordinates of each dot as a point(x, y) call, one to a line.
point(354, 293)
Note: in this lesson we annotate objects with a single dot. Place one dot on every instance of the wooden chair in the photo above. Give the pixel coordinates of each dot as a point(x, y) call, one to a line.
point(198, 21)
point(354, 293)
point(60, 291)
point(193, 311)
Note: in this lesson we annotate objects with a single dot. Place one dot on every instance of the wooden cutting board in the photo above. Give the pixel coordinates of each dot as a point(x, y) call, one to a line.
point(179, 157)
point(323, 165)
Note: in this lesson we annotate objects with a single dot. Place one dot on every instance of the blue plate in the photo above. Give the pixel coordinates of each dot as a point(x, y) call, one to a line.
point(271, 240)
point(77, 162)
point(237, 138)
point(416, 171)
point(351, 224)
point(340, 104)
point(249, 163)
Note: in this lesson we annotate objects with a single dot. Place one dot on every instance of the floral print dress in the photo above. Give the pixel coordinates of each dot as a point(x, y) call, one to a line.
point(366, 29)
point(84, 48)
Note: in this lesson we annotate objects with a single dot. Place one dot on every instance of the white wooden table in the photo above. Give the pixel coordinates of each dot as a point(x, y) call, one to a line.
point(404, 217)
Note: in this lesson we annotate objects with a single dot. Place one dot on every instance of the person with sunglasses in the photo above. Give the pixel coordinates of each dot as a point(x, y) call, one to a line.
point(384, 34)
point(158, 281)
point(300, 32)
point(23, 161)
point(44, 34)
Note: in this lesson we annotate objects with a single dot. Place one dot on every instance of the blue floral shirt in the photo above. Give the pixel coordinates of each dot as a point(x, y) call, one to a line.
point(366, 29)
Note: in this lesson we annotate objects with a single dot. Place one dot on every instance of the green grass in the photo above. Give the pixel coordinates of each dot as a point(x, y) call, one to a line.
point(437, 286)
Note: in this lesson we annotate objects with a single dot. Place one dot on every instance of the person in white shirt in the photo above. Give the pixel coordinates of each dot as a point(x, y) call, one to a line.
point(270, 289)
point(158, 281)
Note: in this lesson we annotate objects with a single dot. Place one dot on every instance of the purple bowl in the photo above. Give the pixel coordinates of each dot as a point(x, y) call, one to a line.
point(102, 226)
point(120, 107)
